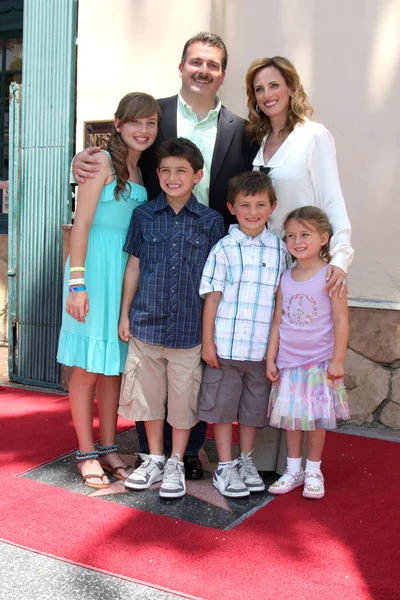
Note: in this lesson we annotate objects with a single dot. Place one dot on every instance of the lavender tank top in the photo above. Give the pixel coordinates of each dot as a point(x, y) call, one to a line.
point(306, 330)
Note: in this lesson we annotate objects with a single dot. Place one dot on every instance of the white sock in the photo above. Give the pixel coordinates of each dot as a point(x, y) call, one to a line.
point(157, 458)
point(313, 467)
point(222, 465)
point(293, 465)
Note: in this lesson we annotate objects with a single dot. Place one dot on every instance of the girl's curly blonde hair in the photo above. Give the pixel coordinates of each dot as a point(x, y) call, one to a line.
point(259, 125)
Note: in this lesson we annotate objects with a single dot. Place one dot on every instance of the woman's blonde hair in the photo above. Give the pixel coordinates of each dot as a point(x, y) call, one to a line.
point(312, 215)
point(259, 125)
point(135, 105)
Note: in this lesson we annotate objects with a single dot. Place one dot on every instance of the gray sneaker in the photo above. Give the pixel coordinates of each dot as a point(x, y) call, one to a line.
point(249, 473)
point(144, 476)
point(173, 483)
point(228, 481)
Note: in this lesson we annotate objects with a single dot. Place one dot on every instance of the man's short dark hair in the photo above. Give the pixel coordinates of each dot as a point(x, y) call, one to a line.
point(251, 183)
point(208, 39)
point(181, 148)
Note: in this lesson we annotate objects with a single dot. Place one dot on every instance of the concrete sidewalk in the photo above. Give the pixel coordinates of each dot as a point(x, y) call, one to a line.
point(29, 576)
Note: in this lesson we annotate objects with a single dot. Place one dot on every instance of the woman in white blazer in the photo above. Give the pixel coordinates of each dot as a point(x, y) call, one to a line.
point(299, 155)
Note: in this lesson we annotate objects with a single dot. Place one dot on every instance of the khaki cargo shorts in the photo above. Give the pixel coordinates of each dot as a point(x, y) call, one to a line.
point(154, 373)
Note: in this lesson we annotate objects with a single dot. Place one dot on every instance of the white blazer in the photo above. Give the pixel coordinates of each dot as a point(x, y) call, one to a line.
point(304, 172)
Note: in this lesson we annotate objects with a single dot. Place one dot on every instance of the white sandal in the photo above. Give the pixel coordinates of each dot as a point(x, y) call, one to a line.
point(287, 482)
point(314, 485)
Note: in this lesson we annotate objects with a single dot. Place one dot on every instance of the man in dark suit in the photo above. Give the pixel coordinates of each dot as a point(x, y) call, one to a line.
point(232, 152)
point(195, 113)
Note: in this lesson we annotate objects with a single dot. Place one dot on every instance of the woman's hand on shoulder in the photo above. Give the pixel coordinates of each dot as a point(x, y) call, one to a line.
point(77, 305)
point(86, 164)
point(336, 281)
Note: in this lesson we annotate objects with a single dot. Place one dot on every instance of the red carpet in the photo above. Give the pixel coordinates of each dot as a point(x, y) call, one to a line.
point(345, 546)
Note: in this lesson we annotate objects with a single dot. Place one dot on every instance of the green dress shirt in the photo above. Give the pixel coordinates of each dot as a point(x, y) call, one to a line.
point(202, 133)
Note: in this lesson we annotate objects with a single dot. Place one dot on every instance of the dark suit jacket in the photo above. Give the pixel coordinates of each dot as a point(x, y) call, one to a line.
point(233, 154)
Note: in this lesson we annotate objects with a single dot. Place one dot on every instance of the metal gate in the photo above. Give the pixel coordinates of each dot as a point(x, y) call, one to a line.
point(41, 144)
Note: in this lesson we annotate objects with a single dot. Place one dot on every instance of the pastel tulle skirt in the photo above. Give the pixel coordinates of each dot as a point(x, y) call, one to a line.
point(304, 399)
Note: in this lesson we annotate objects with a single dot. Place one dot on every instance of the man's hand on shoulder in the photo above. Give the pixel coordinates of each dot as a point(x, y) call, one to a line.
point(86, 164)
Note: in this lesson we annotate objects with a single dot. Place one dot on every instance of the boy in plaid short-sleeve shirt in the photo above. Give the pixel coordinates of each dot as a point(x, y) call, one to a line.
point(239, 282)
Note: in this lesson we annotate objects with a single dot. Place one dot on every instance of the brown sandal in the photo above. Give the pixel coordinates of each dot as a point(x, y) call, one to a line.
point(114, 470)
point(88, 456)
point(103, 451)
point(97, 486)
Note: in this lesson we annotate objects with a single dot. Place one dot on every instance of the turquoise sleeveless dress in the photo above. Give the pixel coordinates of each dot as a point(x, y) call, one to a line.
point(94, 345)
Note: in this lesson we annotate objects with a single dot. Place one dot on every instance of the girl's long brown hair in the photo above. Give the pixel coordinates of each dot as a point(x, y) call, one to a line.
point(135, 105)
point(259, 125)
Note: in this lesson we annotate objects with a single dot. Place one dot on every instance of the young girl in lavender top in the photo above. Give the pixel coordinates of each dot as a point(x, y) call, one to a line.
point(306, 350)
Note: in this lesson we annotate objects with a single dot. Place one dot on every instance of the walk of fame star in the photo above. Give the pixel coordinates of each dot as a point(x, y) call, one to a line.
point(201, 489)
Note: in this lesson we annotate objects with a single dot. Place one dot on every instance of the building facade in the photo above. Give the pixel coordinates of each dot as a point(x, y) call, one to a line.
point(348, 55)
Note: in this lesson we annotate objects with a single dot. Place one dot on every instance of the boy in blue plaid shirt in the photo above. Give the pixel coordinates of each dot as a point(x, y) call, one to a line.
point(239, 282)
point(169, 240)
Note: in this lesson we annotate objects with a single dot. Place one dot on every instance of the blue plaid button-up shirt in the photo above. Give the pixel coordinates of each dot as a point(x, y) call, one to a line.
point(172, 249)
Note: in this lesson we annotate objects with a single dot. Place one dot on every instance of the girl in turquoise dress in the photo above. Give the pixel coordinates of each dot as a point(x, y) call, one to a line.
point(93, 286)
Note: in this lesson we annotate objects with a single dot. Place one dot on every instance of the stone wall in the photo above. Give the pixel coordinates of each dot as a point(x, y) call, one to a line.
point(372, 367)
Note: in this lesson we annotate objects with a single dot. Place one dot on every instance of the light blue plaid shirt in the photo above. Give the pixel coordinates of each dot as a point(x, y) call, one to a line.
point(247, 271)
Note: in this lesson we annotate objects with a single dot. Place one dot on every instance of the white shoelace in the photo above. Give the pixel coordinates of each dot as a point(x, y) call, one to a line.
point(231, 475)
point(172, 473)
point(249, 466)
point(148, 465)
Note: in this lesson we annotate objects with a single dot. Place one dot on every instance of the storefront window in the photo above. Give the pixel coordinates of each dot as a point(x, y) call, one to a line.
point(10, 70)
point(14, 54)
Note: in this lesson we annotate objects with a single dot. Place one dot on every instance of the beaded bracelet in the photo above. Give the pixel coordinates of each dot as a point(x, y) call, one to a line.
point(76, 281)
point(77, 288)
point(72, 269)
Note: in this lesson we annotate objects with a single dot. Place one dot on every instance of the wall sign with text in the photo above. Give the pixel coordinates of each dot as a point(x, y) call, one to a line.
point(97, 133)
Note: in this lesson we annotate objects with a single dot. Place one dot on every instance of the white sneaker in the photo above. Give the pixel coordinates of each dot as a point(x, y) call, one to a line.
point(228, 481)
point(249, 474)
point(173, 483)
point(144, 476)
